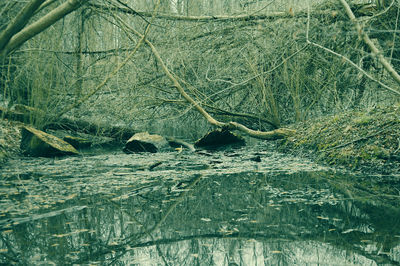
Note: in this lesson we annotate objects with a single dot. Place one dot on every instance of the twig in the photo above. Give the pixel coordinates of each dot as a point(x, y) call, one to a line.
point(357, 140)
point(267, 135)
point(398, 147)
point(380, 13)
point(262, 73)
point(116, 70)
point(375, 51)
point(346, 59)
point(394, 33)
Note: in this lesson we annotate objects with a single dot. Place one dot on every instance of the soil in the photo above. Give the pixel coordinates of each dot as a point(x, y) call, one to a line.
point(367, 141)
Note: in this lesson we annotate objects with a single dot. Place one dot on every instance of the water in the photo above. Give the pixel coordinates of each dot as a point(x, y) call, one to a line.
point(204, 208)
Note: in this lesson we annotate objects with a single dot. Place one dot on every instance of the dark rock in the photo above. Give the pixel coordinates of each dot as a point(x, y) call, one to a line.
point(38, 143)
point(256, 159)
point(219, 138)
point(77, 142)
point(144, 142)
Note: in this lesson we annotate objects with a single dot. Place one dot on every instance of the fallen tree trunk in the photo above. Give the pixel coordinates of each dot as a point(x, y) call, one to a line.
point(271, 15)
point(24, 113)
point(118, 133)
point(269, 135)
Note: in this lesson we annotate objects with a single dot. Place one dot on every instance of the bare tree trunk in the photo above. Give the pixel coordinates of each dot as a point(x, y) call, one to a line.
point(19, 21)
point(38, 26)
point(79, 55)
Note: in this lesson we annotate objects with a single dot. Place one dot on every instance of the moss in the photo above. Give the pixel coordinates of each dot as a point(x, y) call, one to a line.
point(368, 141)
point(374, 151)
point(363, 120)
point(335, 119)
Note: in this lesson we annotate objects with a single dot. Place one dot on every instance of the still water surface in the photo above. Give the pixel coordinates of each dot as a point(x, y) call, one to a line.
point(219, 208)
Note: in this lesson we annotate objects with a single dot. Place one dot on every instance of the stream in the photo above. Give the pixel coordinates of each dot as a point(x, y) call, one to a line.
point(247, 206)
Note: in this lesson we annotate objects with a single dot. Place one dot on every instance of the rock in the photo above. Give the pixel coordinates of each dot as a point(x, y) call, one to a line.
point(219, 138)
point(38, 143)
point(145, 142)
point(77, 142)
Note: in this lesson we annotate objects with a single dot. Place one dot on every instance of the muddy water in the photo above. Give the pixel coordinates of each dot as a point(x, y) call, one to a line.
point(209, 208)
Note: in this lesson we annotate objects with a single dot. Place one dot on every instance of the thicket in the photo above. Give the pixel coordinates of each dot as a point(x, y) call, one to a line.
point(253, 65)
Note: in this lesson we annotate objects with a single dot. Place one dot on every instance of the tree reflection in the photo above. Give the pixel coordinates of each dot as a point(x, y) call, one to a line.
point(207, 218)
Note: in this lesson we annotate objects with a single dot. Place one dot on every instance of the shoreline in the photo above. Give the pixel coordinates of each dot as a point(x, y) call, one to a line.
point(10, 138)
point(366, 142)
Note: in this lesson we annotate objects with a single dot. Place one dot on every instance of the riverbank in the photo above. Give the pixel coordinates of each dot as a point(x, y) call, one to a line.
point(10, 137)
point(367, 141)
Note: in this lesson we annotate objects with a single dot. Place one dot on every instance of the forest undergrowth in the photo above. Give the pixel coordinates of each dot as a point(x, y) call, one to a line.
point(367, 141)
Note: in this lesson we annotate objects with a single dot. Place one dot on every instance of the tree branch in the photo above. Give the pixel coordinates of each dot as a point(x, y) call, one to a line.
point(375, 51)
point(116, 70)
point(270, 135)
point(272, 15)
point(40, 25)
point(19, 21)
point(347, 60)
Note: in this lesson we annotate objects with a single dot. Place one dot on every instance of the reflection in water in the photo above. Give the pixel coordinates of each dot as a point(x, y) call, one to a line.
point(195, 209)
